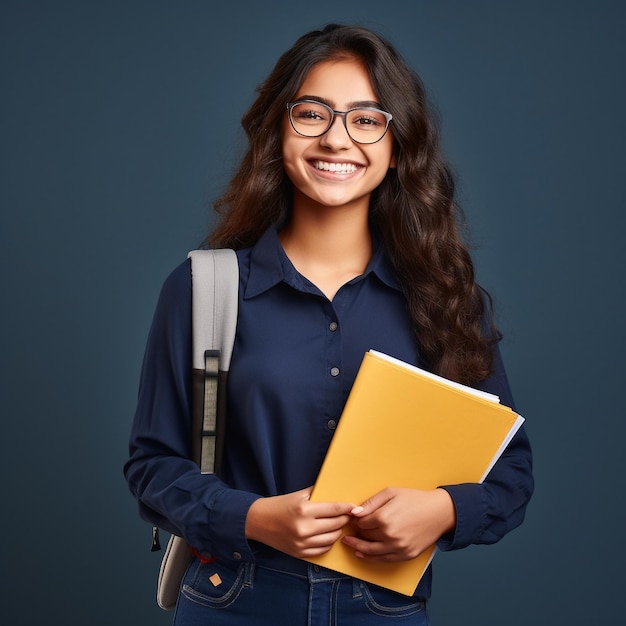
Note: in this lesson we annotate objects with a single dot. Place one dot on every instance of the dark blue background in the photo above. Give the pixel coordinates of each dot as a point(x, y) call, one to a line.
point(120, 123)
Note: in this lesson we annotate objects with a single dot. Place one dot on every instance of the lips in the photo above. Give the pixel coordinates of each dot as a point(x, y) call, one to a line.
point(339, 168)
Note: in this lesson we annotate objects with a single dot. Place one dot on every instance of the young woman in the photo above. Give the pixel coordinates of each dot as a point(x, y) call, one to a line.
point(344, 220)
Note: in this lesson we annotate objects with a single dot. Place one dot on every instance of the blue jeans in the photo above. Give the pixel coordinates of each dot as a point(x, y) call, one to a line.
point(219, 594)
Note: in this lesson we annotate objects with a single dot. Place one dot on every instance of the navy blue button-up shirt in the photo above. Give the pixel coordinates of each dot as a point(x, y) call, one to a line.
point(295, 358)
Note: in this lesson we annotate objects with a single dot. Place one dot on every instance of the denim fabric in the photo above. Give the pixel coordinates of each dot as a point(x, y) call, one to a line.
point(218, 594)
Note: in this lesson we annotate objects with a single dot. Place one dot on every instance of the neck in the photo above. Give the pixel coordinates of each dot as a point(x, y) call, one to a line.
point(329, 247)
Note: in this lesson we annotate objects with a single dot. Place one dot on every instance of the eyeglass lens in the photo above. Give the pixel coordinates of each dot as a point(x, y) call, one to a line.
point(313, 119)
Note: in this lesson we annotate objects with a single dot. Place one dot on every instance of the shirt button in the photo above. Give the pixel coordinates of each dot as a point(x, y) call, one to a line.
point(334, 371)
point(237, 556)
point(333, 326)
point(332, 424)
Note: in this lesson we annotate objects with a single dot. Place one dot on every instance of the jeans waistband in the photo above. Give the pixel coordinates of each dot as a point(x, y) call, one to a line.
point(273, 559)
point(278, 561)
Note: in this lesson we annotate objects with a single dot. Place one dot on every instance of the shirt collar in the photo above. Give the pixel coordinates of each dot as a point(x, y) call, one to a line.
point(269, 265)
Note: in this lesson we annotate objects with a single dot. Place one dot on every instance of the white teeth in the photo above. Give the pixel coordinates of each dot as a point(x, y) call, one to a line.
point(342, 168)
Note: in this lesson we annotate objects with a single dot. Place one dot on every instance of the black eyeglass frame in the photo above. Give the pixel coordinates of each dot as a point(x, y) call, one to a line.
point(343, 114)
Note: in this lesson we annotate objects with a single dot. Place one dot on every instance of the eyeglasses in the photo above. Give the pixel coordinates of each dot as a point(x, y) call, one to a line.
point(311, 118)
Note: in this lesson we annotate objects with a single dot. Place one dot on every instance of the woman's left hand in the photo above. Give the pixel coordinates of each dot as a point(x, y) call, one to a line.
point(399, 524)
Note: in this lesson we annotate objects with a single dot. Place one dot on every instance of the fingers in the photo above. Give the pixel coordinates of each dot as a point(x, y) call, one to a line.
point(321, 510)
point(372, 504)
point(399, 524)
point(319, 543)
point(313, 536)
point(325, 525)
point(375, 551)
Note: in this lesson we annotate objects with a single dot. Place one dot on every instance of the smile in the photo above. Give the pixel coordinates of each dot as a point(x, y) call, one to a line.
point(341, 168)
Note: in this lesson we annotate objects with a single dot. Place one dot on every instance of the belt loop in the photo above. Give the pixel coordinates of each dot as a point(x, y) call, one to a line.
point(248, 574)
point(357, 588)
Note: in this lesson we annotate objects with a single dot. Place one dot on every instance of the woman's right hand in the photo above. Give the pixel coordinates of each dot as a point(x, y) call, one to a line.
point(293, 524)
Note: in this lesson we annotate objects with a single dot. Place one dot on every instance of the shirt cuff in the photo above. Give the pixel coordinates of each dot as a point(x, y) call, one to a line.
point(228, 511)
point(470, 506)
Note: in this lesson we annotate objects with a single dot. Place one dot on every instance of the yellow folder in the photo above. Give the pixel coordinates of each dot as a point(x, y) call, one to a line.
point(405, 427)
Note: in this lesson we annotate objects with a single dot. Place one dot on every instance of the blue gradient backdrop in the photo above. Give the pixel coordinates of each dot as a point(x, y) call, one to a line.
point(120, 123)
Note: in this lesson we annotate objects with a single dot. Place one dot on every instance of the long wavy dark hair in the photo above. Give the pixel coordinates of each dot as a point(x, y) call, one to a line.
point(414, 207)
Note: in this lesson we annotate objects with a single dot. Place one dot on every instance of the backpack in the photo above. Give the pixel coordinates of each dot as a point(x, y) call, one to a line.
point(215, 288)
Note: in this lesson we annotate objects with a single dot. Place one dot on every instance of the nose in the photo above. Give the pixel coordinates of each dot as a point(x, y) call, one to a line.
point(336, 137)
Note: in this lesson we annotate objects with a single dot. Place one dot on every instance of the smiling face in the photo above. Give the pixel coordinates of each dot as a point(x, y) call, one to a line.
point(332, 170)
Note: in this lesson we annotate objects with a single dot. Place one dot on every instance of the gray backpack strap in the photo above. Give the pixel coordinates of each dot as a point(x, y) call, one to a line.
point(215, 288)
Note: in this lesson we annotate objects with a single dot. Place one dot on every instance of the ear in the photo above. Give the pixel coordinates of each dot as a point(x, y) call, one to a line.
point(393, 163)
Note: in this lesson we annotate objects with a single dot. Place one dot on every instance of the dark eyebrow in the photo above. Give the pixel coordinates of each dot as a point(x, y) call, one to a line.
point(357, 104)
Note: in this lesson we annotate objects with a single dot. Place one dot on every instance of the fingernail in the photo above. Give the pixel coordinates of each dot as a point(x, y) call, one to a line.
point(356, 510)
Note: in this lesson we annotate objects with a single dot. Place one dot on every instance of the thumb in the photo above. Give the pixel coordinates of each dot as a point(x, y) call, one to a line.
point(372, 504)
